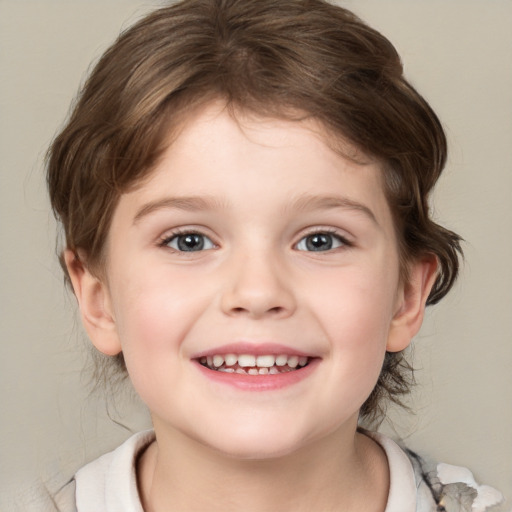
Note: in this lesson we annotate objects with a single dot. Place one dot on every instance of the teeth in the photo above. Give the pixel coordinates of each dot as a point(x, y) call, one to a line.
point(265, 361)
point(246, 360)
point(230, 359)
point(248, 364)
point(293, 361)
point(218, 361)
point(227, 370)
point(281, 360)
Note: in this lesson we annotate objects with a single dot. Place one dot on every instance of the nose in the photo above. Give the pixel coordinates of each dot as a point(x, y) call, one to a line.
point(257, 286)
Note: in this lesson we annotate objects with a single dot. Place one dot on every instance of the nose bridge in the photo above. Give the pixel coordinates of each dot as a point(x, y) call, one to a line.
point(257, 284)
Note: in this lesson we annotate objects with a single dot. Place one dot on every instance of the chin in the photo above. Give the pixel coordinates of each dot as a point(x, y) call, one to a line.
point(249, 452)
point(255, 444)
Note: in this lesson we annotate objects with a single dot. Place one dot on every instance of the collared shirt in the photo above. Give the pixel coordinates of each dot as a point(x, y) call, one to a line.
point(109, 483)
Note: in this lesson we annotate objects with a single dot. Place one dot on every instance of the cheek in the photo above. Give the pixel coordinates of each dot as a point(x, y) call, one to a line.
point(357, 302)
point(151, 321)
point(152, 314)
point(356, 317)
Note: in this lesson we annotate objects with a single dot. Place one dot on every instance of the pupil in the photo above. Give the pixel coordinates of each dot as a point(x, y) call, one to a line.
point(191, 242)
point(319, 242)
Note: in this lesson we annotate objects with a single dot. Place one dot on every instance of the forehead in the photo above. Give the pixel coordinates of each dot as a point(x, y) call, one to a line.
point(230, 155)
point(214, 117)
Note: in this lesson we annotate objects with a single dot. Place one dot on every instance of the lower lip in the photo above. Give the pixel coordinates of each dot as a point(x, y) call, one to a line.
point(266, 382)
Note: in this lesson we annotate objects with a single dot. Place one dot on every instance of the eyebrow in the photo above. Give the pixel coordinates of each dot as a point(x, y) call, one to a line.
point(192, 203)
point(312, 202)
point(301, 203)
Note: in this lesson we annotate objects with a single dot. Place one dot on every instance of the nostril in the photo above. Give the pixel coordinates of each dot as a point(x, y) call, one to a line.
point(257, 301)
point(276, 310)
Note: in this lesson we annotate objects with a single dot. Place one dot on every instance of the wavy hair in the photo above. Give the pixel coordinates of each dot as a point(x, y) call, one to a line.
point(289, 59)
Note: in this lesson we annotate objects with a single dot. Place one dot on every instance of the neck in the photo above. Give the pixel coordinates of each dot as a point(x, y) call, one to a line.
point(344, 471)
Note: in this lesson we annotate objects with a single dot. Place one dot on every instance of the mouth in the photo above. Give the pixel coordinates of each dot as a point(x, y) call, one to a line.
point(252, 364)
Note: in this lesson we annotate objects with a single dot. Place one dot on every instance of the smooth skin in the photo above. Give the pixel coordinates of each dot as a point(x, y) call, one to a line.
point(255, 230)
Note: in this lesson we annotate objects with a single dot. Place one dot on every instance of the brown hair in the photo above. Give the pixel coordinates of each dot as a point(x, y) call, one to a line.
point(274, 58)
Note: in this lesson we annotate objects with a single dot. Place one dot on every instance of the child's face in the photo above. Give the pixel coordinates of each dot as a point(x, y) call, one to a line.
point(253, 238)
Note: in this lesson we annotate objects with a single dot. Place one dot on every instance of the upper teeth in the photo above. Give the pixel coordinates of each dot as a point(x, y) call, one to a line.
point(250, 360)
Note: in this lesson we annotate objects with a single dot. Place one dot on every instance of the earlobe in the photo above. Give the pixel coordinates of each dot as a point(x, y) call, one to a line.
point(410, 310)
point(94, 303)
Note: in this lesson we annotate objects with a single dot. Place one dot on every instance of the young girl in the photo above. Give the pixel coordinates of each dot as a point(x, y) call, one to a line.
point(243, 188)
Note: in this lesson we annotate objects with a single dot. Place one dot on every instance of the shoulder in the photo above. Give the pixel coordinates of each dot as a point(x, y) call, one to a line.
point(110, 482)
point(437, 487)
point(454, 488)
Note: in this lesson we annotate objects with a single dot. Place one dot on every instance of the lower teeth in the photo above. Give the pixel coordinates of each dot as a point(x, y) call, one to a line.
point(273, 370)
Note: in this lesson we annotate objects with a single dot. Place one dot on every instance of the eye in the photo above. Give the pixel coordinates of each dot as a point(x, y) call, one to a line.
point(189, 242)
point(321, 241)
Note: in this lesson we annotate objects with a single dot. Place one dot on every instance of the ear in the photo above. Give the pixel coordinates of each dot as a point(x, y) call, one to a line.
point(95, 305)
point(410, 307)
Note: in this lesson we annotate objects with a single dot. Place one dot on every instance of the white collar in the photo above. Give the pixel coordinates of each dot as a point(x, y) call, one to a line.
point(109, 484)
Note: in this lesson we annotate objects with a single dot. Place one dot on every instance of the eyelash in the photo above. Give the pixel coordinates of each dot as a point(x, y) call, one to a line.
point(164, 242)
point(344, 242)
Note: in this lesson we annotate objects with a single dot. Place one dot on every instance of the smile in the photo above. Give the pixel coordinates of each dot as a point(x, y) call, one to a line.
point(250, 364)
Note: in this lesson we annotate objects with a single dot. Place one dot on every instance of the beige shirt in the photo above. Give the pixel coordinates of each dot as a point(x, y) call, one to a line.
point(109, 483)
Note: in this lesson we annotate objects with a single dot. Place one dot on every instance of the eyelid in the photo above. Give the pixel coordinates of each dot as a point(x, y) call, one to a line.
point(341, 233)
point(336, 233)
point(169, 235)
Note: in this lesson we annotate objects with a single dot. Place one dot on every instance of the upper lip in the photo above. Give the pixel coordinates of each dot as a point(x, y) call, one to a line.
point(257, 349)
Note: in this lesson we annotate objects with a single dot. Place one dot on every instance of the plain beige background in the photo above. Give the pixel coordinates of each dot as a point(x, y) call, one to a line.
point(458, 53)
